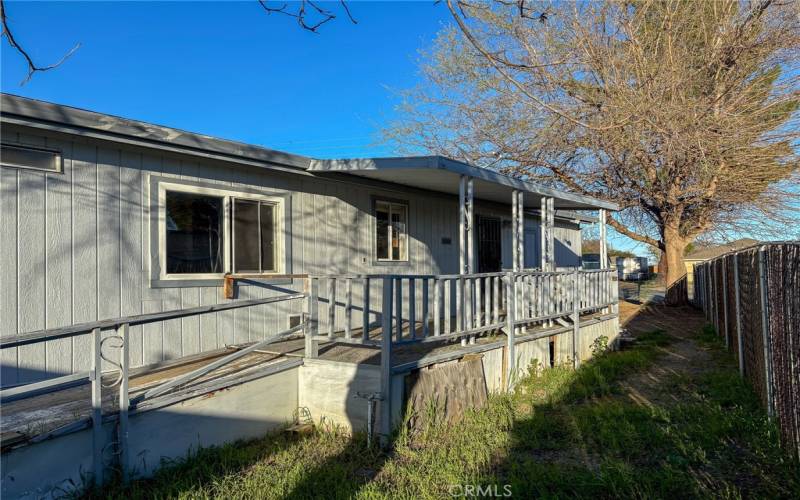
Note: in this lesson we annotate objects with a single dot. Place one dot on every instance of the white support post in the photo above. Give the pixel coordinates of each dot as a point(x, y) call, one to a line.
point(467, 252)
point(521, 230)
point(543, 235)
point(469, 224)
point(551, 221)
point(603, 240)
point(462, 215)
point(514, 233)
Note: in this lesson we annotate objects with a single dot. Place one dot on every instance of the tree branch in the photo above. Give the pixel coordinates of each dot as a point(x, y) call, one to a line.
point(32, 66)
point(302, 13)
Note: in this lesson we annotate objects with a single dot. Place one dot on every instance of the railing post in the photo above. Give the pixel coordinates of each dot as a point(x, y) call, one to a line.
point(739, 340)
point(386, 362)
point(124, 400)
point(576, 313)
point(425, 309)
point(412, 308)
point(312, 323)
point(331, 306)
point(398, 306)
point(97, 408)
point(762, 274)
point(365, 312)
point(510, 319)
point(348, 309)
point(437, 304)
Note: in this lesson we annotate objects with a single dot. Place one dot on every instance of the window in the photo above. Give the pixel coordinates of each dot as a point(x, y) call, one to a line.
point(391, 228)
point(253, 236)
point(194, 233)
point(29, 157)
point(205, 232)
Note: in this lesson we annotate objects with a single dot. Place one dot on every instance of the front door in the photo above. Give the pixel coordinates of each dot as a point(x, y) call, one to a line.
point(490, 257)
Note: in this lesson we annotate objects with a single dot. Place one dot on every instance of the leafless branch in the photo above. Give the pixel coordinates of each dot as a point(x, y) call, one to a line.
point(302, 13)
point(32, 66)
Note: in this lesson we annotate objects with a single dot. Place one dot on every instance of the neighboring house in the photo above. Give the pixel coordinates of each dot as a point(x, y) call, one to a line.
point(702, 254)
point(632, 268)
point(102, 217)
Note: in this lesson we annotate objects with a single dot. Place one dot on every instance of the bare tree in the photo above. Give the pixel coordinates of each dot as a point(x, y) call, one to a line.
point(684, 113)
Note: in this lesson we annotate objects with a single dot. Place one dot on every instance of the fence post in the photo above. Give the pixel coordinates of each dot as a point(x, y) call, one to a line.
point(725, 299)
point(124, 400)
point(739, 340)
point(762, 274)
point(576, 313)
point(386, 362)
point(312, 324)
point(510, 319)
point(97, 408)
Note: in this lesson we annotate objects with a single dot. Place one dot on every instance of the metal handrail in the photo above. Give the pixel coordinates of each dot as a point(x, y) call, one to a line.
point(140, 319)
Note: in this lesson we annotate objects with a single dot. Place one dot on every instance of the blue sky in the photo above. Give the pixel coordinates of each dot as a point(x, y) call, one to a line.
point(227, 68)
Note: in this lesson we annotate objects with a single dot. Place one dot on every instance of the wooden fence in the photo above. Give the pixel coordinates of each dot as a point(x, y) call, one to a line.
point(752, 297)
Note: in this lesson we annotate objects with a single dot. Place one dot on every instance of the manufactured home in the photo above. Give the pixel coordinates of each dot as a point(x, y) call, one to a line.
point(137, 257)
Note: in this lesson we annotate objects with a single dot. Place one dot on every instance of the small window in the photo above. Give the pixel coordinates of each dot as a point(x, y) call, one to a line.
point(28, 157)
point(194, 233)
point(391, 231)
point(254, 236)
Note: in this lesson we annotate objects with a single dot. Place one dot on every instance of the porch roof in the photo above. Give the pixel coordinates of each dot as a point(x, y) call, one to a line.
point(438, 173)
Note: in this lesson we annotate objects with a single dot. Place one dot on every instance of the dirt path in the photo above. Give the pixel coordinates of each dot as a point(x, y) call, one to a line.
point(682, 358)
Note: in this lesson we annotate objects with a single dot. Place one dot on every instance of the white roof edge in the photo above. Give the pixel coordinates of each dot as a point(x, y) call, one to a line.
point(455, 166)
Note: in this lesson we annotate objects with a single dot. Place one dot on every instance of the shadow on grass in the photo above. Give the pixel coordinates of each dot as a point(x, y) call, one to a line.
point(582, 437)
point(563, 433)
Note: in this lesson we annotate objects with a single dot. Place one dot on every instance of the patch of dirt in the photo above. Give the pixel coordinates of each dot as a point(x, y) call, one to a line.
point(682, 359)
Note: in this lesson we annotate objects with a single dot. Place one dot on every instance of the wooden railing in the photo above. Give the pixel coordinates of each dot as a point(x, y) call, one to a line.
point(342, 308)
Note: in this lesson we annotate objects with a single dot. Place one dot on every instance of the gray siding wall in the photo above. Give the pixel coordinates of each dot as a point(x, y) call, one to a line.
point(74, 247)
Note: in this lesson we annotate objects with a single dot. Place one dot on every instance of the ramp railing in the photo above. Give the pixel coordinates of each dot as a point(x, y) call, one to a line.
point(120, 342)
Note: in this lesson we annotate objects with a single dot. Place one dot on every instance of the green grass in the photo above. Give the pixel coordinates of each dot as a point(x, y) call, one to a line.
point(564, 433)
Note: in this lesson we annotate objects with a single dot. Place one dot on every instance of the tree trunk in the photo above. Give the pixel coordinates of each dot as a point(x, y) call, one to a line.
point(674, 269)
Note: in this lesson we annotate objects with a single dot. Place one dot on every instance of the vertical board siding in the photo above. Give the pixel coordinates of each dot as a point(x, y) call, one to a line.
point(76, 247)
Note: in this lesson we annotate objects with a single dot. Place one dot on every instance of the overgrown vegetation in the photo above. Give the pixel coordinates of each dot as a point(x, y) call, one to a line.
point(564, 433)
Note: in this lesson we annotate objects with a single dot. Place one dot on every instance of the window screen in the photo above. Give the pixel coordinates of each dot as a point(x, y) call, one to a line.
point(26, 157)
point(194, 233)
point(253, 236)
point(391, 221)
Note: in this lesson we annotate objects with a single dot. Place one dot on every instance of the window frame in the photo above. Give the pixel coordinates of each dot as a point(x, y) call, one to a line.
point(59, 158)
point(374, 236)
point(275, 216)
point(158, 234)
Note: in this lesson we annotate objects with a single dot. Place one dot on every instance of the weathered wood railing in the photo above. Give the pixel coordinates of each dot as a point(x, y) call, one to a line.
point(410, 309)
point(160, 395)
